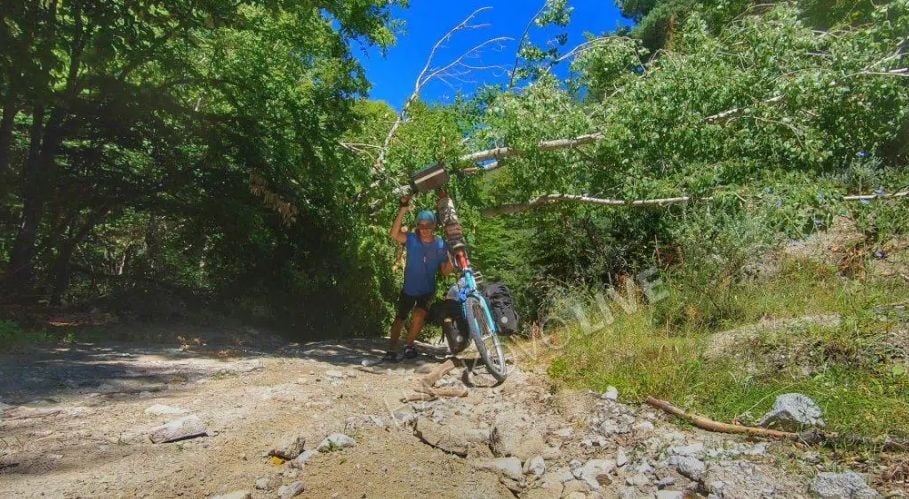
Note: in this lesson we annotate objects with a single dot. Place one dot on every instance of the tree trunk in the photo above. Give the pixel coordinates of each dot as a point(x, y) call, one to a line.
point(45, 140)
point(63, 267)
point(6, 134)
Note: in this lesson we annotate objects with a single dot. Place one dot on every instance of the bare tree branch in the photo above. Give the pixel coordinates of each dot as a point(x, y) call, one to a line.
point(546, 145)
point(869, 197)
point(514, 68)
point(738, 111)
point(426, 75)
point(588, 45)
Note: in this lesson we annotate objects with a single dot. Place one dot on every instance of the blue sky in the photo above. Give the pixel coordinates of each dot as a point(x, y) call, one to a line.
point(393, 75)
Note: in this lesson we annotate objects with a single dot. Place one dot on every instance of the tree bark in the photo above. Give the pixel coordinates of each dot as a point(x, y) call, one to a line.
point(62, 266)
point(19, 273)
point(10, 110)
point(46, 139)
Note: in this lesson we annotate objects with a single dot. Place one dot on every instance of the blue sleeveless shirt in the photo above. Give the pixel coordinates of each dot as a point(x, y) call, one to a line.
point(423, 263)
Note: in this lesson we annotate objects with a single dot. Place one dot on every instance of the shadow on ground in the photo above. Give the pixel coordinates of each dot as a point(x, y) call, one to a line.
point(49, 374)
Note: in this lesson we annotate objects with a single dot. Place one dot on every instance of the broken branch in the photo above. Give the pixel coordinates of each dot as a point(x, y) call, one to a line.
point(711, 425)
point(426, 75)
point(807, 437)
point(546, 145)
point(508, 209)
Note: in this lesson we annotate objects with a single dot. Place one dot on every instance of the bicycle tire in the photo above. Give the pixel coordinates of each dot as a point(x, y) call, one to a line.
point(479, 329)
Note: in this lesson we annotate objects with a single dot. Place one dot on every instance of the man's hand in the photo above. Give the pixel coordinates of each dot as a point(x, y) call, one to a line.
point(405, 201)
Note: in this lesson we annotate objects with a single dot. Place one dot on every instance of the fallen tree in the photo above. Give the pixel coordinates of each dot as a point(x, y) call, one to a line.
point(508, 209)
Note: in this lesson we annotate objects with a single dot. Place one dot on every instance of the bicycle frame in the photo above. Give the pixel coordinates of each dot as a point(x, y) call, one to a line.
point(470, 289)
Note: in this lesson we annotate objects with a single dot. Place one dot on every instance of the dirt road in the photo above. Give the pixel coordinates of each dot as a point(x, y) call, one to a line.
point(77, 420)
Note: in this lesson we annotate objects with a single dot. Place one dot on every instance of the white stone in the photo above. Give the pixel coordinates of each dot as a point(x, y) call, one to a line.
point(290, 490)
point(165, 410)
point(336, 441)
point(188, 427)
point(620, 458)
point(535, 465)
point(507, 466)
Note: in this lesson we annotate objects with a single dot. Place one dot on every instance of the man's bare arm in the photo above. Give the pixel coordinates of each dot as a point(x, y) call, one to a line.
point(396, 233)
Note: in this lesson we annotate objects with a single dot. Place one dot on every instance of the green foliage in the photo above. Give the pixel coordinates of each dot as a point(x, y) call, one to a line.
point(772, 119)
point(12, 334)
point(188, 146)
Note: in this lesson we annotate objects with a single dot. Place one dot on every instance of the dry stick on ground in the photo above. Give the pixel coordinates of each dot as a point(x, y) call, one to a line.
point(711, 425)
point(808, 437)
point(428, 74)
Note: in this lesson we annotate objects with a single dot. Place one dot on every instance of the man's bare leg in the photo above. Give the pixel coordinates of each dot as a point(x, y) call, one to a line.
point(396, 328)
point(416, 324)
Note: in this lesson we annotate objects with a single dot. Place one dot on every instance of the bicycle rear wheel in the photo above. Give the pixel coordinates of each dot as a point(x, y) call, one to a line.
point(489, 345)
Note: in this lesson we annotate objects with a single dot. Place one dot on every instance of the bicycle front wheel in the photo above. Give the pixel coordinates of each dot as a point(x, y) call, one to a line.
point(489, 345)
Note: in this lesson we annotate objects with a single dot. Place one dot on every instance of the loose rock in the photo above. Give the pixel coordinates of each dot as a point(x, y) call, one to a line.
point(620, 458)
point(512, 436)
point(535, 465)
point(793, 411)
point(336, 441)
point(691, 467)
point(290, 490)
point(638, 480)
point(356, 422)
point(301, 460)
point(236, 494)
point(842, 485)
point(165, 410)
point(289, 447)
point(507, 466)
point(595, 471)
point(267, 483)
point(455, 437)
point(180, 429)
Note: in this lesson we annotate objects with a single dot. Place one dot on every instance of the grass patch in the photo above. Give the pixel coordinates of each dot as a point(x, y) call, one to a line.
point(852, 369)
point(12, 335)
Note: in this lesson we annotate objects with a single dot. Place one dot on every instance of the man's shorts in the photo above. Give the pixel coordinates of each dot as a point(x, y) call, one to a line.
point(406, 303)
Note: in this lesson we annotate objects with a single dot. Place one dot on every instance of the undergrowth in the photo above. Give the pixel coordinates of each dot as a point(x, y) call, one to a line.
point(855, 369)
